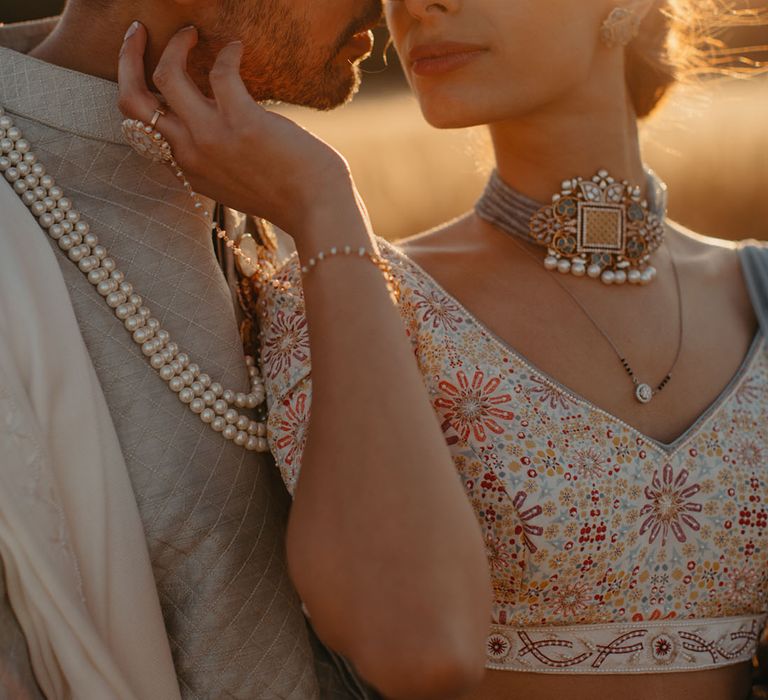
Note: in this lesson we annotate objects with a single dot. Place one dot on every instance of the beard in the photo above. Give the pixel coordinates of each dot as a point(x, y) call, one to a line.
point(280, 61)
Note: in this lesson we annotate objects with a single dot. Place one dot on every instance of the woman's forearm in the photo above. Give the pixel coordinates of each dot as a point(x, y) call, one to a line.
point(383, 544)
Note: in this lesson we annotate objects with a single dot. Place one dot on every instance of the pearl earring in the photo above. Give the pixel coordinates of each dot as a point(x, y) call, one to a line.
point(621, 27)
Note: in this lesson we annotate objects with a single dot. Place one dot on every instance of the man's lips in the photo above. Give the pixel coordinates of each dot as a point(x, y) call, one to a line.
point(443, 56)
point(361, 43)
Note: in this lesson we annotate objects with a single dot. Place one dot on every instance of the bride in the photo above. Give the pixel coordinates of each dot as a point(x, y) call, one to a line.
point(592, 372)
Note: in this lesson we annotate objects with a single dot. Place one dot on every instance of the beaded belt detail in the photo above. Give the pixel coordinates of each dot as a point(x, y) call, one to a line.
point(659, 646)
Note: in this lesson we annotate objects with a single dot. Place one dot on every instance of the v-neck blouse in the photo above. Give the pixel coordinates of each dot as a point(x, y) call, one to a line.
point(608, 551)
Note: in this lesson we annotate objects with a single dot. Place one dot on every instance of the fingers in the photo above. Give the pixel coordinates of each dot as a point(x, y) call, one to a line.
point(173, 81)
point(226, 83)
point(135, 101)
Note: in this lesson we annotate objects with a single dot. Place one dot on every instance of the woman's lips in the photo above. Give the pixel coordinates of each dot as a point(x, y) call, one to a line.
point(443, 57)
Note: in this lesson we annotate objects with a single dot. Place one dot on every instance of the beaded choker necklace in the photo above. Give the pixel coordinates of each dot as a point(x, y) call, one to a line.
point(599, 228)
point(220, 409)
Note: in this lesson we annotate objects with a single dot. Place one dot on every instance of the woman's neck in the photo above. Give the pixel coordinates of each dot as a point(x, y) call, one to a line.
point(590, 129)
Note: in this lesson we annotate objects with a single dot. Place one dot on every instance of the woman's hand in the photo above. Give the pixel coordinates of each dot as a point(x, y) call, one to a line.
point(229, 147)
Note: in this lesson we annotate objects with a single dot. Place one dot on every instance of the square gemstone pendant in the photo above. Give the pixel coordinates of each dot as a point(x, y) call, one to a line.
point(601, 228)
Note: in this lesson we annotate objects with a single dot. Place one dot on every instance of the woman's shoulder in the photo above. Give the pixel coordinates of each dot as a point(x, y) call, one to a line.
point(725, 241)
point(709, 252)
point(709, 255)
point(716, 270)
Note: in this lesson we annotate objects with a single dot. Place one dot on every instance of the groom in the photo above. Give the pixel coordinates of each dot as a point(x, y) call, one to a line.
point(213, 515)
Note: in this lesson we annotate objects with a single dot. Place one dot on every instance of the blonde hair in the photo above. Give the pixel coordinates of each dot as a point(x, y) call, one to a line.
point(681, 39)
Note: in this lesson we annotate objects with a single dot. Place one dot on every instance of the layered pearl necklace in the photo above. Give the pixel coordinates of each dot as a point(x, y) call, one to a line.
point(214, 405)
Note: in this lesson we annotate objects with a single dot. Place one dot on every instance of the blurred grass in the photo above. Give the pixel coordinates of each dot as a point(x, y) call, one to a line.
point(711, 146)
point(709, 142)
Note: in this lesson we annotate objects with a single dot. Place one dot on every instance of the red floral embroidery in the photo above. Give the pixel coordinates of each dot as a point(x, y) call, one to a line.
point(498, 646)
point(550, 394)
point(293, 425)
point(589, 463)
point(473, 408)
point(498, 556)
point(741, 586)
point(748, 392)
point(663, 648)
point(670, 508)
point(437, 310)
point(526, 516)
point(571, 600)
point(286, 341)
point(749, 453)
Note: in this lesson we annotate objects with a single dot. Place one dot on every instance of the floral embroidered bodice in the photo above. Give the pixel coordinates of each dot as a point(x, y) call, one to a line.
point(656, 553)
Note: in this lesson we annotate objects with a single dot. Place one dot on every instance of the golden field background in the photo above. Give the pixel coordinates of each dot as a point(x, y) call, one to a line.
point(709, 142)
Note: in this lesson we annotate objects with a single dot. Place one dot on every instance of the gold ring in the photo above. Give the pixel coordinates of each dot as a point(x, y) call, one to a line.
point(158, 113)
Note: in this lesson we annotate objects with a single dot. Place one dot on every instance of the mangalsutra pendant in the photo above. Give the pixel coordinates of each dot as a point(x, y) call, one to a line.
point(644, 393)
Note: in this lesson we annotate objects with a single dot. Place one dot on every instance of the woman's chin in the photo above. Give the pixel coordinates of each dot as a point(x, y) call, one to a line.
point(445, 116)
point(457, 106)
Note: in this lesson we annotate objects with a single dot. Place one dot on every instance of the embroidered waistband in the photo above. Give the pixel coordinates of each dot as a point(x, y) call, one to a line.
point(658, 646)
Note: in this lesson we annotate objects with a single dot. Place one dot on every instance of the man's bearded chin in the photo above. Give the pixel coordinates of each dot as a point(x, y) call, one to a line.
point(283, 68)
point(319, 82)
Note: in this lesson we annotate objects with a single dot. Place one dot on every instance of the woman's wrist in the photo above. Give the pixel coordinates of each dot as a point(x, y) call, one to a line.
point(336, 218)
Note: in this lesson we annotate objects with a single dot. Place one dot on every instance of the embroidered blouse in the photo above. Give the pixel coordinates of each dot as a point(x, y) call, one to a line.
point(609, 551)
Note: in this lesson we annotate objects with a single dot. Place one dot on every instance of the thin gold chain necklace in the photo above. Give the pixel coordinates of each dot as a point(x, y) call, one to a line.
point(644, 392)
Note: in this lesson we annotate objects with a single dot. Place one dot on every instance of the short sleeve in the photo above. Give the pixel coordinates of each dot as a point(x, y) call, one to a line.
point(286, 369)
point(286, 365)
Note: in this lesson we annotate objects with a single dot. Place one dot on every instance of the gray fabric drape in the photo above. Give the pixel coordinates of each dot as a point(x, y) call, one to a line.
point(754, 259)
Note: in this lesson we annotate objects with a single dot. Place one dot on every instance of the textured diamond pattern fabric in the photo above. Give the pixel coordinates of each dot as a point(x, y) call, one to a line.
point(214, 515)
point(17, 681)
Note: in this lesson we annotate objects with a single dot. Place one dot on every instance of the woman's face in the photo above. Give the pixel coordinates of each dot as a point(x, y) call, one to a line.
point(473, 62)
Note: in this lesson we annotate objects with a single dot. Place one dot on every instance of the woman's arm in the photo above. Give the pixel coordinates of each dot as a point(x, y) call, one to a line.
point(382, 542)
point(383, 545)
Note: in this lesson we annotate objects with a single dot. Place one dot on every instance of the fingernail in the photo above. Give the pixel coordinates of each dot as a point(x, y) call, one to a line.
point(131, 30)
point(189, 28)
point(236, 47)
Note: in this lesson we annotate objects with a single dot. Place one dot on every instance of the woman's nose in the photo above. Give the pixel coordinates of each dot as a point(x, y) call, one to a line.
point(425, 8)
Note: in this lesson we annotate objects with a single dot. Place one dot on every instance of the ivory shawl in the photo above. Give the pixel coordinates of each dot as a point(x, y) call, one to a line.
point(76, 561)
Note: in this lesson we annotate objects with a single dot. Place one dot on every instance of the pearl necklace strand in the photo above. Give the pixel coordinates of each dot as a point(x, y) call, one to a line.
point(55, 214)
